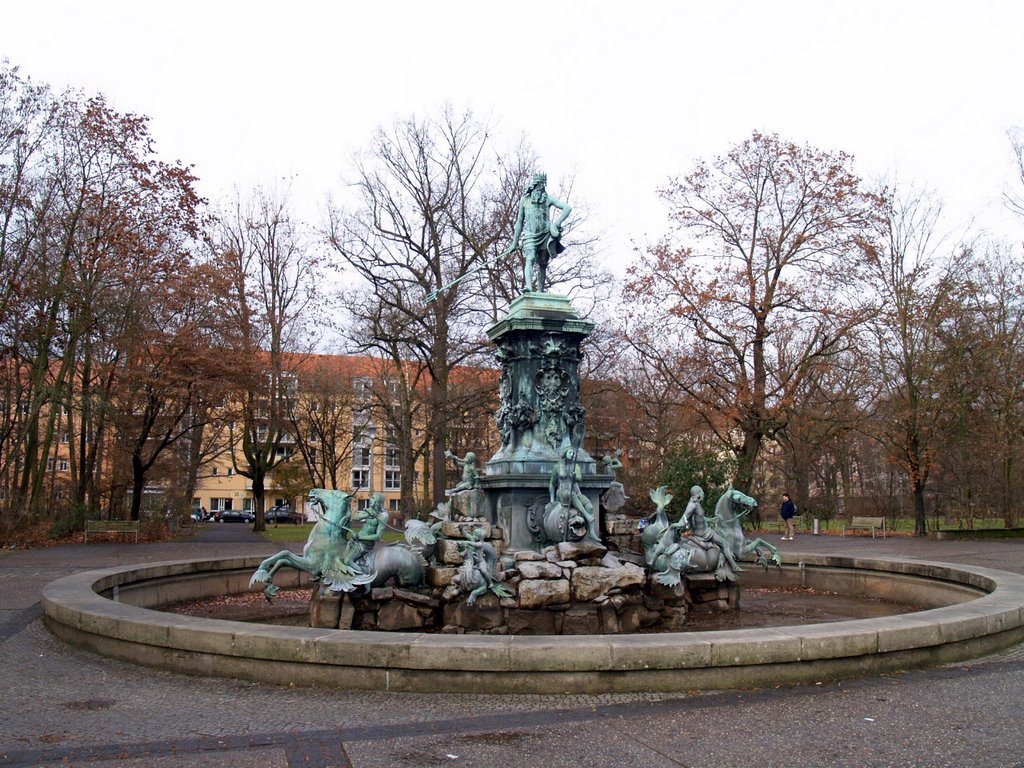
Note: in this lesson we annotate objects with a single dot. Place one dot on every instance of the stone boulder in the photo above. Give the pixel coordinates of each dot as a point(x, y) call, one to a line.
point(539, 570)
point(468, 505)
point(583, 621)
point(579, 550)
point(398, 614)
point(536, 593)
point(448, 552)
point(461, 530)
point(528, 555)
point(535, 622)
point(485, 614)
point(325, 609)
point(440, 576)
point(589, 582)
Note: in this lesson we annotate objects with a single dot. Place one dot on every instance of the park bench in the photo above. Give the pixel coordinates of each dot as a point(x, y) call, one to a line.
point(866, 523)
point(112, 526)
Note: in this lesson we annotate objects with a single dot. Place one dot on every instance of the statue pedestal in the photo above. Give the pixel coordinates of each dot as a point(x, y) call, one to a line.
point(539, 417)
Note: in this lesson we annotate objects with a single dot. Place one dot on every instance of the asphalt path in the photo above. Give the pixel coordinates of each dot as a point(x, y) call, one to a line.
point(62, 706)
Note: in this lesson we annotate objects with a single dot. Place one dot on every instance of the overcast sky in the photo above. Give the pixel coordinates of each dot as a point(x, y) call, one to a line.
point(621, 95)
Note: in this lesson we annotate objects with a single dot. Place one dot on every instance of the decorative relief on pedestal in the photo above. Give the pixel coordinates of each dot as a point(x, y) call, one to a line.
point(552, 385)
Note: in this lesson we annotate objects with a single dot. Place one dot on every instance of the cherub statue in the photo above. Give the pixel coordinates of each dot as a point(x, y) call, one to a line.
point(612, 462)
point(615, 497)
point(470, 476)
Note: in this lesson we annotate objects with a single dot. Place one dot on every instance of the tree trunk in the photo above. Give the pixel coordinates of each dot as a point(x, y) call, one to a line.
point(138, 485)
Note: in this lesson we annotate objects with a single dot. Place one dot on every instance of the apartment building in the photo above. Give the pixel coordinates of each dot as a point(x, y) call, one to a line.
point(338, 435)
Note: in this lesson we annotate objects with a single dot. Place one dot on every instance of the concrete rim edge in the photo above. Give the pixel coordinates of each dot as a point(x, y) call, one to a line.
point(74, 610)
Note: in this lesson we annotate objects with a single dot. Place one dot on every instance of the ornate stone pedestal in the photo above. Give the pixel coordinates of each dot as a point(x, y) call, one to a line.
point(540, 416)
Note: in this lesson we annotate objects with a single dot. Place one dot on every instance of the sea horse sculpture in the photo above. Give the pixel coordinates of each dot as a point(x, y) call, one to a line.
point(714, 546)
point(727, 523)
point(338, 557)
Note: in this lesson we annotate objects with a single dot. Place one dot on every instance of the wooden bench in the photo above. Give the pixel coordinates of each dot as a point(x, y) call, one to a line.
point(112, 526)
point(866, 523)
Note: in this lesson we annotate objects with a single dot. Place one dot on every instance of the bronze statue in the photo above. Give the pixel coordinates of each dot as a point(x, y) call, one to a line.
point(536, 234)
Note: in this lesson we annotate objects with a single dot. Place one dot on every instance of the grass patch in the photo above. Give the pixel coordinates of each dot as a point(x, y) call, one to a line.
point(288, 532)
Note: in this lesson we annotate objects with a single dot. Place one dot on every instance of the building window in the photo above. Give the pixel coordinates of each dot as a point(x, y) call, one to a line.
point(220, 505)
point(392, 479)
point(391, 456)
point(247, 505)
point(214, 471)
point(360, 478)
point(363, 505)
point(63, 465)
point(231, 471)
point(393, 506)
point(363, 388)
point(49, 465)
point(65, 437)
point(362, 457)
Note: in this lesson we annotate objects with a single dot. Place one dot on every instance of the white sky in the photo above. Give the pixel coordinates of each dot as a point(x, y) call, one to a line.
point(623, 95)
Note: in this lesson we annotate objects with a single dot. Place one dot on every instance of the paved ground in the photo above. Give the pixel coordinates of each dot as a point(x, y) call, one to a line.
point(62, 706)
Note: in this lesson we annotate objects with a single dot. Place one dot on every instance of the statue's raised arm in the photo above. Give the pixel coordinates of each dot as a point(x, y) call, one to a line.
point(536, 234)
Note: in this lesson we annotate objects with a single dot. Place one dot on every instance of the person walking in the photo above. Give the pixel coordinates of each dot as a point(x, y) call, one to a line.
point(787, 512)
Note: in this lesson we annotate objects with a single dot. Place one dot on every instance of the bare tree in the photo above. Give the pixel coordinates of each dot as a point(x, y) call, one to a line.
point(92, 225)
point(174, 367)
point(918, 285)
point(437, 205)
point(1014, 199)
point(274, 274)
point(997, 354)
point(426, 218)
point(765, 289)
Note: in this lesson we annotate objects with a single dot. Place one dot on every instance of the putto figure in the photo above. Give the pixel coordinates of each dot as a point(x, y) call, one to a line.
point(470, 475)
point(536, 234)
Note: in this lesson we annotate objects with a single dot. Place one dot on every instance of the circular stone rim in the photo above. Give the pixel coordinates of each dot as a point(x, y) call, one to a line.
point(75, 610)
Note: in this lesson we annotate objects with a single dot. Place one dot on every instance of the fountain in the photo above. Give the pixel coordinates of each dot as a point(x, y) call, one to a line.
point(517, 558)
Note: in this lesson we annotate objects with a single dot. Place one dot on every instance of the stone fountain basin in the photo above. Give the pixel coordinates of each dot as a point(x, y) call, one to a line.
point(971, 611)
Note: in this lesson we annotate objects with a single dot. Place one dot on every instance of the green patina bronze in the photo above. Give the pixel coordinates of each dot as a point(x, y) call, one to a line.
point(341, 557)
point(541, 486)
point(536, 234)
point(476, 576)
point(541, 422)
point(714, 545)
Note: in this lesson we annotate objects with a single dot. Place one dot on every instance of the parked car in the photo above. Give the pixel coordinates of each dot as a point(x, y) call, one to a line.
point(282, 514)
point(234, 516)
